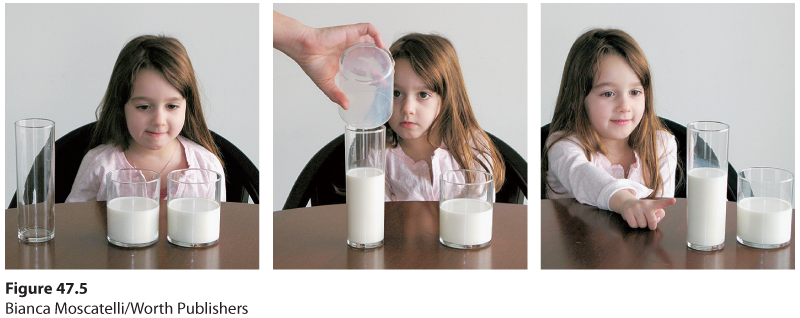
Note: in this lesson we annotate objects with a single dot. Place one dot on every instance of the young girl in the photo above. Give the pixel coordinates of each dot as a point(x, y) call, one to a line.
point(150, 118)
point(432, 129)
point(606, 146)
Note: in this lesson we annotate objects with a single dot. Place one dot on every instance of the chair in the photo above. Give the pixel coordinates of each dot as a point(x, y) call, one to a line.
point(679, 131)
point(323, 178)
point(241, 175)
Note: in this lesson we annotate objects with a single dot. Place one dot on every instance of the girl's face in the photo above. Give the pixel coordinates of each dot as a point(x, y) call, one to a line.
point(156, 111)
point(615, 104)
point(415, 105)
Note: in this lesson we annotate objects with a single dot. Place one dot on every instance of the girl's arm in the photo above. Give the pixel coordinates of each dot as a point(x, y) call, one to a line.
point(667, 161)
point(587, 183)
point(637, 212)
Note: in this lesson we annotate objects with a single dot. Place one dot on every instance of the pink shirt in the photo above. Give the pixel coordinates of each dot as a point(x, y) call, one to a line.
point(594, 181)
point(90, 182)
point(407, 180)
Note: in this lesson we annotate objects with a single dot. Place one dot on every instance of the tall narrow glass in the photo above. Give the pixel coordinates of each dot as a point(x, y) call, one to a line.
point(365, 159)
point(35, 146)
point(764, 207)
point(466, 200)
point(706, 189)
point(193, 205)
point(132, 207)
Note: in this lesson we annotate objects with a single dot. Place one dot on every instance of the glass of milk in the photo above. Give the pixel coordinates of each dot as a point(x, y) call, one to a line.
point(764, 207)
point(466, 198)
point(365, 159)
point(707, 186)
point(193, 204)
point(366, 77)
point(132, 207)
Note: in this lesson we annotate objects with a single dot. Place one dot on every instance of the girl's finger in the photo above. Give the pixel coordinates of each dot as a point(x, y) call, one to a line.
point(651, 220)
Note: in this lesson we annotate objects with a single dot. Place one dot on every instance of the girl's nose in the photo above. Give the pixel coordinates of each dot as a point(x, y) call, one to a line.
point(407, 106)
point(160, 117)
point(624, 105)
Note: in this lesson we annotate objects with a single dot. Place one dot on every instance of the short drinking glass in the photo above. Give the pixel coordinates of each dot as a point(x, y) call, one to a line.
point(466, 198)
point(764, 207)
point(132, 207)
point(193, 204)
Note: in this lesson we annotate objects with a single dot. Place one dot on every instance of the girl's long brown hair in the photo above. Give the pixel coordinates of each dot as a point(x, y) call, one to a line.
point(167, 56)
point(570, 117)
point(434, 60)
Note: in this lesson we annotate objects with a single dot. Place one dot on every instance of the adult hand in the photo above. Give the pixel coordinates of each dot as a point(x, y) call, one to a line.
point(317, 51)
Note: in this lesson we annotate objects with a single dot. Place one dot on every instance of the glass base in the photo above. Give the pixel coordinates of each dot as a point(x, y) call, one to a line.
point(35, 235)
point(186, 244)
point(759, 245)
point(123, 244)
point(705, 248)
point(365, 245)
point(463, 246)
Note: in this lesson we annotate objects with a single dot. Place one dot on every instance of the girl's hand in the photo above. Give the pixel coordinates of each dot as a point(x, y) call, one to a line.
point(317, 51)
point(639, 213)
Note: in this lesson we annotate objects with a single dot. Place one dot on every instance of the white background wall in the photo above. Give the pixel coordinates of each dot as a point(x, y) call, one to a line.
point(59, 59)
point(491, 43)
point(733, 63)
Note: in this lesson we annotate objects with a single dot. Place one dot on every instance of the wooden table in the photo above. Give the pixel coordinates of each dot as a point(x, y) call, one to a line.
point(316, 238)
point(581, 236)
point(80, 242)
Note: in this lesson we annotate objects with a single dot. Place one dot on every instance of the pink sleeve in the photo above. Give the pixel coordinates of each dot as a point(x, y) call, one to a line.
point(667, 161)
point(587, 183)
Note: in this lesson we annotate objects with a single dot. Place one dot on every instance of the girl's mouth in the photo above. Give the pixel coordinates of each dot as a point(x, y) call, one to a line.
point(621, 122)
point(153, 134)
point(407, 124)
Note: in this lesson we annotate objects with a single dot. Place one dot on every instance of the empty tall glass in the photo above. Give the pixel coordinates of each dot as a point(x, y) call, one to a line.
point(132, 207)
point(466, 200)
point(706, 190)
point(364, 166)
point(35, 147)
point(193, 207)
point(366, 77)
point(764, 207)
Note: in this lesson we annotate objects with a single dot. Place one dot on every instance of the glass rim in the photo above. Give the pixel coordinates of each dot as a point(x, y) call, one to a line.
point(364, 130)
point(786, 175)
point(369, 45)
point(47, 123)
point(109, 178)
point(490, 177)
point(171, 174)
point(691, 126)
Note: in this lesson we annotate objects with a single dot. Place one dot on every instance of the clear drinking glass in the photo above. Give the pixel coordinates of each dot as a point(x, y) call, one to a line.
point(366, 77)
point(764, 207)
point(35, 147)
point(132, 207)
point(365, 158)
point(193, 205)
point(466, 200)
point(706, 189)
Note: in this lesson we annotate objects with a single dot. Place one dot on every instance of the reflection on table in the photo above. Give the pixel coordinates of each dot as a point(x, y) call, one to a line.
point(575, 235)
point(316, 238)
point(80, 243)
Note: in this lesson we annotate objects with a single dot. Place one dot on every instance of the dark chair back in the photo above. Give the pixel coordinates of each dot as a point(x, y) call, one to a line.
point(322, 180)
point(679, 131)
point(241, 175)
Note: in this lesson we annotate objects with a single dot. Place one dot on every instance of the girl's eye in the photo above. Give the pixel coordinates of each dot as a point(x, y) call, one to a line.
point(397, 94)
point(424, 95)
point(607, 94)
point(143, 107)
point(173, 106)
point(636, 92)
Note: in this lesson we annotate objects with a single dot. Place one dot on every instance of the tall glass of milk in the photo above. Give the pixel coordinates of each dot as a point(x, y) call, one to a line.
point(706, 189)
point(466, 199)
point(764, 207)
point(193, 204)
point(132, 207)
point(366, 77)
point(365, 158)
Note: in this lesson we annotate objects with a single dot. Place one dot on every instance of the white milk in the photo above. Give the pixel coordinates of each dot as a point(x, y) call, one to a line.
point(132, 220)
point(763, 220)
point(465, 221)
point(193, 220)
point(365, 193)
point(706, 195)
